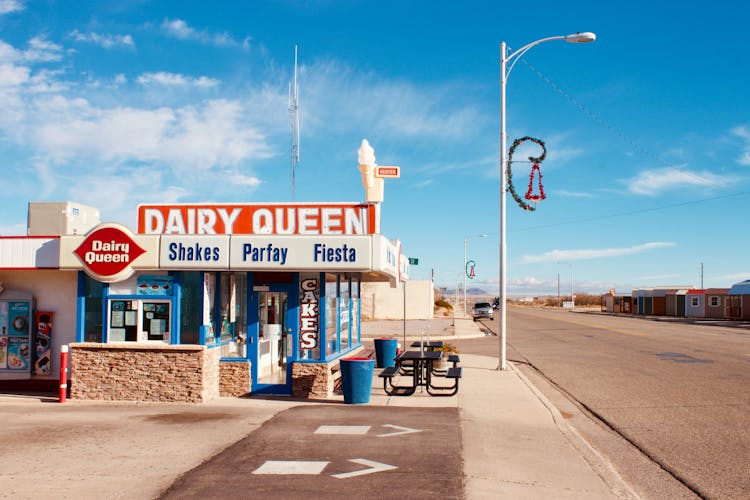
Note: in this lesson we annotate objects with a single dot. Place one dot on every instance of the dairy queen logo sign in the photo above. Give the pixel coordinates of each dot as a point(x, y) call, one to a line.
point(108, 252)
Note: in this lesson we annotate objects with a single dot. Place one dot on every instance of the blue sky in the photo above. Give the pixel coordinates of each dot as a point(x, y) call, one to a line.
point(647, 173)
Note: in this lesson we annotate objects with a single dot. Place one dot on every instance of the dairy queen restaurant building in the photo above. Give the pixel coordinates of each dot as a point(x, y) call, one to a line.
point(200, 301)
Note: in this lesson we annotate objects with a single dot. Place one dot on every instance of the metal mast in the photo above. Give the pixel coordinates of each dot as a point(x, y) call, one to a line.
point(294, 114)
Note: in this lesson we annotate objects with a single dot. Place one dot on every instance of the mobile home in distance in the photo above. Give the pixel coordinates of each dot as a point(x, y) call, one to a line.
point(717, 302)
point(739, 300)
point(695, 304)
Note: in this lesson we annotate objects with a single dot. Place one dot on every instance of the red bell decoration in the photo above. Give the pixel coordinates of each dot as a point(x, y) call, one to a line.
point(535, 198)
point(535, 160)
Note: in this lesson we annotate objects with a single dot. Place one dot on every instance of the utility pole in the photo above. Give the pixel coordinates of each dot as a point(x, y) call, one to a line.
point(294, 115)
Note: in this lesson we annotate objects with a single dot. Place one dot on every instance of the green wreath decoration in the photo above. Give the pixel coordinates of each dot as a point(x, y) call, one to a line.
point(532, 159)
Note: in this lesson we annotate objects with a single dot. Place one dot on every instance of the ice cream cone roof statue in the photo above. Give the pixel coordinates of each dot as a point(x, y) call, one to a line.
point(366, 154)
point(373, 185)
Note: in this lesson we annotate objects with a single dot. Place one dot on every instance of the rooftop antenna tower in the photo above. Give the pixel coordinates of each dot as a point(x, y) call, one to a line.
point(294, 115)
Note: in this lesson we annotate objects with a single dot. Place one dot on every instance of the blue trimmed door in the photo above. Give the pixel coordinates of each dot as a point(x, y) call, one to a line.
point(272, 326)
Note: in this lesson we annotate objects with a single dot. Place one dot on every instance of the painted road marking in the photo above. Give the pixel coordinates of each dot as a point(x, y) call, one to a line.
point(374, 467)
point(401, 432)
point(354, 430)
point(291, 467)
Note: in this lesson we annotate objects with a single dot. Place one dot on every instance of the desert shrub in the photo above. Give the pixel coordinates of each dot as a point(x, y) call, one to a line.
point(442, 303)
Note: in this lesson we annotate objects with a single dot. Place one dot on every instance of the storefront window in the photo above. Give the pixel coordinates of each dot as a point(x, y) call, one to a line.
point(355, 310)
point(93, 292)
point(209, 311)
point(226, 321)
point(190, 307)
point(344, 313)
point(240, 314)
point(332, 302)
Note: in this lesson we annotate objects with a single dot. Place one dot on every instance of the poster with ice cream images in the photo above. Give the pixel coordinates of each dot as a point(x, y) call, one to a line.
point(3, 335)
point(19, 353)
point(14, 341)
point(43, 343)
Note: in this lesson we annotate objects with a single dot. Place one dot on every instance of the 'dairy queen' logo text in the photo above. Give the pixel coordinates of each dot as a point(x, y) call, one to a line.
point(108, 252)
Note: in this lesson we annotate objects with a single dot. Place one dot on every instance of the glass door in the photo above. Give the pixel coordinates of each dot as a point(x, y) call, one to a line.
point(272, 338)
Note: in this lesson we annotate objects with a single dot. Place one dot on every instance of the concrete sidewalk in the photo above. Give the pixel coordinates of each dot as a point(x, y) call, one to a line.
point(515, 443)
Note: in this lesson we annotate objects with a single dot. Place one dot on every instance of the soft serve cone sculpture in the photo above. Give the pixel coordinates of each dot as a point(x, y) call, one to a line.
point(373, 185)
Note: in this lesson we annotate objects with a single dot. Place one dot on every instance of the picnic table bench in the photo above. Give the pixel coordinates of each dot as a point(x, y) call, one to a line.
point(422, 371)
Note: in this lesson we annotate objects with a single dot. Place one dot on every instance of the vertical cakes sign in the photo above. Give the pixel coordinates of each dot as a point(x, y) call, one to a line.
point(308, 314)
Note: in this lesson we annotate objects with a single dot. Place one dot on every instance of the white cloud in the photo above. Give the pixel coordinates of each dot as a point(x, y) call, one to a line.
point(164, 78)
point(585, 254)
point(336, 98)
point(182, 31)
point(8, 6)
point(107, 41)
point(659, 277)
point(657, 181)
point(8, 53)
point(735, 277)
point(573, 194)
point(743, 133)
point(77, 137)
point(241, 180)
point(12, 75)
point(42, 50)
point(211, 134)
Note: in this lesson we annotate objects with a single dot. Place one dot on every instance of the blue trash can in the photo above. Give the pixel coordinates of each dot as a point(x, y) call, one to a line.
point(356, 379)
point(385, 352)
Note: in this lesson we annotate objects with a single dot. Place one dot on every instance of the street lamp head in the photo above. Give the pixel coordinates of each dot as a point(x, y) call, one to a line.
point(581, 37)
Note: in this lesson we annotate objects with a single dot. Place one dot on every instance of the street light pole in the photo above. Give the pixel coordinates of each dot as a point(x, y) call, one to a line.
point(505, 70)
point(572, 297)
point(466, 238)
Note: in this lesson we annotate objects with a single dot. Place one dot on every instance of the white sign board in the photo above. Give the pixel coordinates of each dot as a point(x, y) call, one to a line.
point(351, 253)
point(194, 252)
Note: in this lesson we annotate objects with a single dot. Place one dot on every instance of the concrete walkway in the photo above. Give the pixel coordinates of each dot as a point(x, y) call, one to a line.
point(515, 443)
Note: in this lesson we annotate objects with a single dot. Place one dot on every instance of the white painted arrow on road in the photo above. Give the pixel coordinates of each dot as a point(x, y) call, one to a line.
point(401, 432)
point(343, 429)
point(374, 467)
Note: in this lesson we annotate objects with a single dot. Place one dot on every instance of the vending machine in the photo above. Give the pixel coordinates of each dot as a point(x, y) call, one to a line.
point(15, 335)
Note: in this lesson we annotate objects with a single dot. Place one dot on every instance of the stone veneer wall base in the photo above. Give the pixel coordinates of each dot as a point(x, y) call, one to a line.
point(143, 372)
point(316, 380)
point(235, 378)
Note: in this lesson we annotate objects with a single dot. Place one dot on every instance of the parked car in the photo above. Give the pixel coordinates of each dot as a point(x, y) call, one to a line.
point(482, 310)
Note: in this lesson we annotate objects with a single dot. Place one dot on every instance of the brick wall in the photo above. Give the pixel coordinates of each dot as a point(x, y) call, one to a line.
point(138, 372)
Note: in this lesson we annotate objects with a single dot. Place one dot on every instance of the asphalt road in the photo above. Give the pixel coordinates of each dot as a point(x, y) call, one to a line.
point(293, 457)
point(678, 393)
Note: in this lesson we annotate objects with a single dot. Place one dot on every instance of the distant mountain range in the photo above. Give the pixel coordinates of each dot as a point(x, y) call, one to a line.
point(469, 291)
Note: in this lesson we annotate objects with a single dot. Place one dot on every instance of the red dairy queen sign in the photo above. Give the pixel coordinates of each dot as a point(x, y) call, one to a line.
point(108, 252)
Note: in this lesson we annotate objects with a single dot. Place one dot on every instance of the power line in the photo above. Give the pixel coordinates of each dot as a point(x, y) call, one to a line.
point(633, 212)
point(616, 132)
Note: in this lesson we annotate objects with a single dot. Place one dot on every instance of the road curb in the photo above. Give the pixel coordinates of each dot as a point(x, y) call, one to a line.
point(598, 463)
